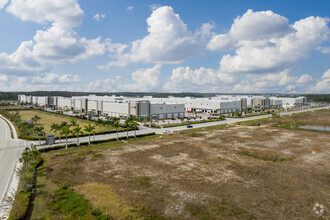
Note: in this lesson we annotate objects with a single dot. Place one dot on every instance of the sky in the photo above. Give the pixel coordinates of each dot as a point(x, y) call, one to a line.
point(239, 46)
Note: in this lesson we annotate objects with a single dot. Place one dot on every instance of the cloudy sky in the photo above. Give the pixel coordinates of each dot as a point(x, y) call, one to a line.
point(165, 45)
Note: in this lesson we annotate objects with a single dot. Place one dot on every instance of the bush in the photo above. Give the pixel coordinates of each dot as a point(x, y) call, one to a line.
point(94, 142)
point(31, 159)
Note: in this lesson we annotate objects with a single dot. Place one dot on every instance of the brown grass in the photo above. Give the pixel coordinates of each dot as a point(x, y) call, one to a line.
point(240, 172)
point(104, 198)
point(47, 118)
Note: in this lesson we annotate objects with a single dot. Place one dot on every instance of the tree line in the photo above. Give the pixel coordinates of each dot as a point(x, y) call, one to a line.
point(65, 129)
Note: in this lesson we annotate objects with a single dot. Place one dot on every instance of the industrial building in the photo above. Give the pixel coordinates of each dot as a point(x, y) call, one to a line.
point(113, 106)
point(161, 108)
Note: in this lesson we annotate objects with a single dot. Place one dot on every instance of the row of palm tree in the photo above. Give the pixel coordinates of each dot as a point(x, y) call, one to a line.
point(35, 119)
point(72, 127)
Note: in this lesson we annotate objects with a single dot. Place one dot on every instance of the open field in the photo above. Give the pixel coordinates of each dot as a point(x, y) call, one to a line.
point(315, 118)
point(226, 172)
point(47, 118)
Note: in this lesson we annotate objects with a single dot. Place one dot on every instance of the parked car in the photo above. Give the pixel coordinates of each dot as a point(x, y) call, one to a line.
point(189, 126)
point(166, 132)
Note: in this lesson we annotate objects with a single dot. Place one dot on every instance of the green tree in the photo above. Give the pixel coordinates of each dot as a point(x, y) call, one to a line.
point(108, 122)
point(55, 127)
point(34, 119)
point(89, 129)
point(134, 126)
point(39, 130)
point(61, 126)
point(65, 131)
point(116, 125)
point(77, 131)
point(73, 123)
point(99, 123)
point(127, 126)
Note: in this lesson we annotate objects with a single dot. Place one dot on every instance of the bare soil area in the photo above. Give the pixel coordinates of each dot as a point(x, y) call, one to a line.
point(241, 172)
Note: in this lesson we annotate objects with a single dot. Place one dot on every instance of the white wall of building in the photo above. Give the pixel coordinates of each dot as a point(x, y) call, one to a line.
point(42, 100)
point(64, 102)
point(116, 108)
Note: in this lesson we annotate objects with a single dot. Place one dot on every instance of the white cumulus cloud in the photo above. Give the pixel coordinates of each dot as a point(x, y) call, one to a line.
point(58, 44)
point(303, 79)
point(266, 42)
point(202, 79)
point(323, 84)
point(98, 17)
point(3, 3)
point(144, 80)
point(129, 8)
point(53, 78)
point(66, 12)
point(168, 41)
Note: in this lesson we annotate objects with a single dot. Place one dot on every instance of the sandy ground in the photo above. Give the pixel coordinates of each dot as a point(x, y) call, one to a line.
point(243, 172)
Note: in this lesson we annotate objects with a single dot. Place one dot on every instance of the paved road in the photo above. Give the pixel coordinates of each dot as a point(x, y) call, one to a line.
point(10, 150)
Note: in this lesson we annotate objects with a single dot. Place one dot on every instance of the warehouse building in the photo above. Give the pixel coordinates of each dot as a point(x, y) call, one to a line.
point(160, 108)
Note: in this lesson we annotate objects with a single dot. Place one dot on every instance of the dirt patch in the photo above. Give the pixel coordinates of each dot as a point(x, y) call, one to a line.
point(238, 173)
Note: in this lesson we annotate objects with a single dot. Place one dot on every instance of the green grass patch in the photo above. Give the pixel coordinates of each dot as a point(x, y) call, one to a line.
point(266, 156)
point(143, 180)
point(256, 122)
point(20, 204)
point(217, 210)
point(98, 143)
point(184, 123)
point(209, 128)
point(31, 159)
point(73, 205)
point(11, 130)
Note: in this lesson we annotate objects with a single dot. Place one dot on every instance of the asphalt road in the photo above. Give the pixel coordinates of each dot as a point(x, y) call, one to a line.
point(9, 154)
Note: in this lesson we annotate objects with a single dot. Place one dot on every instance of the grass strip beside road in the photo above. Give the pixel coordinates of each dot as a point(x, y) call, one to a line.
point(93, 143)
point(209, 128)
point(11, 130)
point(186, 123)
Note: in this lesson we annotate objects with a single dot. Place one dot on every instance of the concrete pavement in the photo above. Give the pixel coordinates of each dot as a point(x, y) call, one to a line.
point(10, 150)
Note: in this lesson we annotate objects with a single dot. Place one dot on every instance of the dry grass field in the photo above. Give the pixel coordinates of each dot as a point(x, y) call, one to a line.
point(237, 172)
point(47, 118)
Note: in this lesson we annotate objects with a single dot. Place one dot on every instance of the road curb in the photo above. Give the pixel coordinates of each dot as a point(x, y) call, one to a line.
point(11, 125)
point(5, 206)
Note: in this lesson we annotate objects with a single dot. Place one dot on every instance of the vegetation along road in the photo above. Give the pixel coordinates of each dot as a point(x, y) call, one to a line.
point(144, 130)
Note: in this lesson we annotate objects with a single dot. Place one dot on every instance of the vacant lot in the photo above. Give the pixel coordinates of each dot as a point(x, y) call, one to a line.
point(315, 118)
point(47, 118)
point(239, 172)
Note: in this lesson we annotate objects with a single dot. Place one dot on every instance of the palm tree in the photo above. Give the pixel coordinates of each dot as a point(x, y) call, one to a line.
point(37, 118)
point(39, 130)
point(99, 123)
point(55, 127)
point(127, 126)
point(145, 119)
point(134, 126)
point(26, 156)
point(108, 122)
point(34, 119)
point(73, 123)
point(116, 125)
point(77, 131)
point(150, 121)
point(89, 128)
point(66, 131)
point(60, 127)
